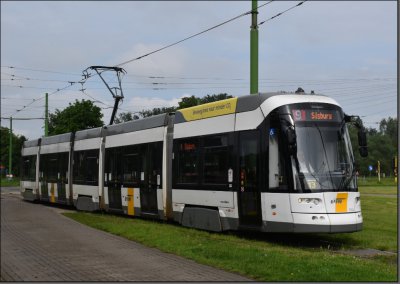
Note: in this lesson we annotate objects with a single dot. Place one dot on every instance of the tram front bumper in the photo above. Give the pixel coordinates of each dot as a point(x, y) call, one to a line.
point(28, 194)
point(327, 223)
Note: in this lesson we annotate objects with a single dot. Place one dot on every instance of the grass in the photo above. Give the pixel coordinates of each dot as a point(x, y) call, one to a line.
point(6, 183)
point(373, 181)
point(273, 257)
point(380, 229)
point(378, 190)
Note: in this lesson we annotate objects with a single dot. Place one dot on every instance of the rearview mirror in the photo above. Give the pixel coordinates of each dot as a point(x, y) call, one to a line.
point(363, 151)
point(362, 143)
point(362, 138)
point(291, 138)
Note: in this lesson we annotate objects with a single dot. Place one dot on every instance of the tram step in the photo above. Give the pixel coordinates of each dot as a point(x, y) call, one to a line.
point(115, 210)
point(150, 215)
point(250, 227)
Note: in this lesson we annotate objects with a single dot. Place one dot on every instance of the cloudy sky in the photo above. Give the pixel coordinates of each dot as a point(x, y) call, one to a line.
point(344, 49)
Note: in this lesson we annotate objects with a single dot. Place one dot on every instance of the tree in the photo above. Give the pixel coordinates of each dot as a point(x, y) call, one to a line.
point(155, 111)
point(382, 146)
point(214, 98)
point(125, 116)
point(77, 116)
point(17, 142)
point(194, 101)
point(188, 102)
point(389, 127)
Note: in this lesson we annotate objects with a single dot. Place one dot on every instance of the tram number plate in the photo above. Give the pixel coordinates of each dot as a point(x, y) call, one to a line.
point(340, 202)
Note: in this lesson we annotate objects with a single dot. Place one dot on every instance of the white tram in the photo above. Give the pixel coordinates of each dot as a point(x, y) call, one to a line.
point(275, 162)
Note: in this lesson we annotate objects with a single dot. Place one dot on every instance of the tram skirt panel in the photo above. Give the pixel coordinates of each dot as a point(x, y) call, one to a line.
point(201, 218)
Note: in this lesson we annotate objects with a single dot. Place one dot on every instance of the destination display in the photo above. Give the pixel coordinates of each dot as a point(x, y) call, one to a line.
point(316, 115)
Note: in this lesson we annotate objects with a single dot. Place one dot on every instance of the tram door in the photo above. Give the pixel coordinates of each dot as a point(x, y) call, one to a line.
point(150, 177)
point(113, 157)
point(44, 190)
point(249, 187)
point(62, 177)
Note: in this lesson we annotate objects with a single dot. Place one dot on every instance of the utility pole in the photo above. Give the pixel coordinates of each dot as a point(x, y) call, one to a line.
point(254, 49)
point(46, 116)
point(379, 171)
point(10, 150)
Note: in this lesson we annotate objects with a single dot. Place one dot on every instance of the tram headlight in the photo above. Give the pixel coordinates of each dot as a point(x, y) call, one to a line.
point(316, 201)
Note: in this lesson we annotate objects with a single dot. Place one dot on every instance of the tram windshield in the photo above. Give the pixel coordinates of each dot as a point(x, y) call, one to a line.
point(323, 159)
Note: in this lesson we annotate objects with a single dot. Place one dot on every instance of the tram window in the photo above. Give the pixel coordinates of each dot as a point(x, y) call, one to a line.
point(42, 167)
point(276, 157)
point(86, 167)
point(91, 167)
point(132, 165)
point(113, 168)
point(155, 163)
point(52, 167)
point(64, 168)
point(29, 168)
point(249, 152)
point(273, 161)
point(215, 160)
point(79, 167)
point(187, 161)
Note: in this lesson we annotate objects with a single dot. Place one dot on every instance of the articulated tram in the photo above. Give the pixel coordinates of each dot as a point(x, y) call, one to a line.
point(273, 162)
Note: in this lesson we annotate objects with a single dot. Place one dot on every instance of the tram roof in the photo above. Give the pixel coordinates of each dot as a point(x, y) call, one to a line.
point(213, 109)
point(31, 143)
point(66, 137)
point(88, 133)
point(229, 106)
point(137, 125)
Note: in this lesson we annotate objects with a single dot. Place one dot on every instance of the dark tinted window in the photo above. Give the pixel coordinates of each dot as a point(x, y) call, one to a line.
point(86, 167)
point(132, 164)
point(187, 161)
point(92, 168)
point(52, 167)
point(202, 162)
point(29, 168)
point(215, 160)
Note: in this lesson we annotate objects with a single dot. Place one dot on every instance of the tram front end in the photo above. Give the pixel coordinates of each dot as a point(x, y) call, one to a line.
point(312, 171)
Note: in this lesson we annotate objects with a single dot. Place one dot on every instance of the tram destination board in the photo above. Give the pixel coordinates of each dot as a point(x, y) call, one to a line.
point(316, 115)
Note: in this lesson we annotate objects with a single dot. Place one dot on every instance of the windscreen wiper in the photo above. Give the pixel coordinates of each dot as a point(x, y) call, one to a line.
point(326, 156)
point(346, 180)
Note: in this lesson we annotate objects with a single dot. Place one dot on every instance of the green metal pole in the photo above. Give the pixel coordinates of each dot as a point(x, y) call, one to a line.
point(254, 49)
point(10, 150)
point(46, 116)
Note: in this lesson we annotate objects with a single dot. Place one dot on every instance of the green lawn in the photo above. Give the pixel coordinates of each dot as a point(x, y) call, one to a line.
point(5, 182)
point(380, 229)
point(373, 181)
point(379, 189)
point(273, 257)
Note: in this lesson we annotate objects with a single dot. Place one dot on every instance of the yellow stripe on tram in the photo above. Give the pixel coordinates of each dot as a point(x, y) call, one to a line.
point(131, 209)
point(341, 202)
point(52, 197)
